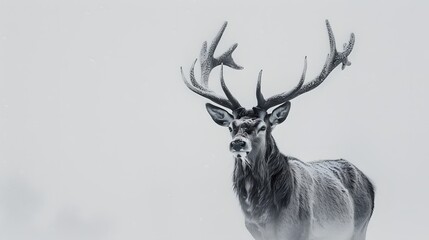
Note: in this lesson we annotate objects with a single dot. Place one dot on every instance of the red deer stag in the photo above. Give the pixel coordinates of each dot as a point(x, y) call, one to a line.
point(283, 198)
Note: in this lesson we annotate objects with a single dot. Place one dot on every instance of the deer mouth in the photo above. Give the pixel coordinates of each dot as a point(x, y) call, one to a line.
point(242, 157)
point(240, 154)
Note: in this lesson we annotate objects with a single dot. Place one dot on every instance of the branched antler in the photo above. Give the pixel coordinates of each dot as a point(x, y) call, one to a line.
point(332, 61)
point(208, 63)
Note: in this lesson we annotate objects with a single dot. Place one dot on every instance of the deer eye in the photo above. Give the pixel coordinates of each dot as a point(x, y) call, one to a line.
point(263, 128)
point(230, 129)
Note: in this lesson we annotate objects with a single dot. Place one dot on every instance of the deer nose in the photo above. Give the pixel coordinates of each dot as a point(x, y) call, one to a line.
point(237, 145)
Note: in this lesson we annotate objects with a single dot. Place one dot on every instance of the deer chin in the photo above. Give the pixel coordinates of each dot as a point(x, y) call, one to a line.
point(243, 157)
point(240, 154)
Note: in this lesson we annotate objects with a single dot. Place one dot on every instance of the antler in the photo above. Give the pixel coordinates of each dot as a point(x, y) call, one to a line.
point(208, 62)
point(333, 60)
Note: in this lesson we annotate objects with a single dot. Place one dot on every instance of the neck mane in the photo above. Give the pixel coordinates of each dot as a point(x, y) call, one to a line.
point(267, 184)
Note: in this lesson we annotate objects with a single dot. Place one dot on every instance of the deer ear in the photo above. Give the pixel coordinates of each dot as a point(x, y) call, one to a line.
point(219, 115)
point(279, 114)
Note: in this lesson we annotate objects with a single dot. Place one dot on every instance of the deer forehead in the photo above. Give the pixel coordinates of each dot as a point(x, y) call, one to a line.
point(248, 123)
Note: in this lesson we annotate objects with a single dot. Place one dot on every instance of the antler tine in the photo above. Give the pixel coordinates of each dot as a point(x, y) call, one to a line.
point(208, 62)
point(207, 93)
point(225, 89)
point(333, 59)
point(259, 96)
point(279, 98)
point(192, 76)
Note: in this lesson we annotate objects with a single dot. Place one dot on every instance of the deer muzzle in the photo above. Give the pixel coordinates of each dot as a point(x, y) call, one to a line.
point(240, 146)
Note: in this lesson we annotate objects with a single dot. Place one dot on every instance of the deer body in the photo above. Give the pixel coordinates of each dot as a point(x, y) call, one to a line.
point(283, 198)
point(318, 201)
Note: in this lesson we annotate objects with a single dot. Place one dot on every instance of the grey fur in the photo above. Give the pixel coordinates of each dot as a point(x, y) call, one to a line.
point(281, 197)
point(291, 199)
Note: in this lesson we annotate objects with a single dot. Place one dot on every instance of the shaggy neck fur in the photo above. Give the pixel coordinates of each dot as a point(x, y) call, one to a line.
point(269, 181)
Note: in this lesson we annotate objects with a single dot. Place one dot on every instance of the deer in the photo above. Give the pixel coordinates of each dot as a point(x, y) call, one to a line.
point(281, 197)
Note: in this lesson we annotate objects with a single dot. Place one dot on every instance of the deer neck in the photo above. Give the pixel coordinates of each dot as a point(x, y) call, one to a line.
point(255, 184)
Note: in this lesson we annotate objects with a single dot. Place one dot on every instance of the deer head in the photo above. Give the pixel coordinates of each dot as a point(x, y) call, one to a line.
point(251, 128)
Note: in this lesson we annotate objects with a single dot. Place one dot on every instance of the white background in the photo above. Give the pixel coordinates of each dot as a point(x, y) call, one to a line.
point(100, 138)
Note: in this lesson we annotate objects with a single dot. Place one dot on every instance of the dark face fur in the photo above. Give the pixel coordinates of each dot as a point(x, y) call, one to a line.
point(248, 136)
point(249, 128)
